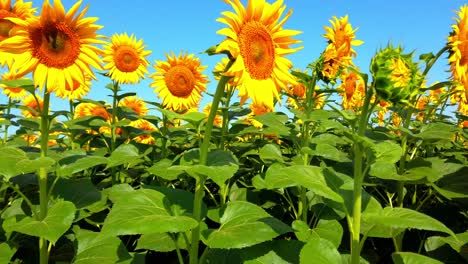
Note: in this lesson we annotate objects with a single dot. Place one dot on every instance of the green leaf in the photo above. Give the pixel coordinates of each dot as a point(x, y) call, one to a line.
point(98, 248)
point(327, 229)
point(275, 122)
point(436, 132)
point(412, 258)
point(124, 154)
point(276, 251)
point(27, 165)
point(81, 192)
point(6, 252)
point(271, 153)
point(330, 152)
point(221, 166)
point(319, 250)
point(386, 151)
point(329, 139)
point(225, 256)
point(372, 229)
point(386, 171)
point(9, 156)
point(143, 211)
point(310, 177)
point(74, 164)
point(459, 243)
point(59, 218)
point(442, 168)
point(193, 117)
point(162, 169)
point(244, 224)
point(405, 218)
point(160, 242)
point(454, 185)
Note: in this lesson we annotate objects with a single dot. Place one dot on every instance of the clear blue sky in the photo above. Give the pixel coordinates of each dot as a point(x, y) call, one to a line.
point(190, 25)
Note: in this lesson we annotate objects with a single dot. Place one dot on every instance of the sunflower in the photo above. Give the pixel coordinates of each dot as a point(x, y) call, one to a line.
point(134, 103)
point(384, 105)
point(19, 10)
point(90, 109)
point(57, 47)
point(34, 106)
point(218, 121)
point(354, 90)
point(257, 109)
point(339, 52)
point(125, 59)
point(12, 92)
point(76, 91)
point(179, 81)
point(145, 126)
point(400, 73)
point(257, 41)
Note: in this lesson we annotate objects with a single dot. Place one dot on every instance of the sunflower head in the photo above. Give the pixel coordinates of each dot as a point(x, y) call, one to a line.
point(14, 93)
point(134, 103)
point(147, 127)
point(57, 47)
point(20, 10)
point(76, 91)
point(179, 81)
point(396, 76)
point(33, 106)
point(255, 38)
point(218, 121)
point(125, 59)
point(353, 88)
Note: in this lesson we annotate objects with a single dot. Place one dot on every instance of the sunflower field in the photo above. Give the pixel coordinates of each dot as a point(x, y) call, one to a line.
point(355, 168)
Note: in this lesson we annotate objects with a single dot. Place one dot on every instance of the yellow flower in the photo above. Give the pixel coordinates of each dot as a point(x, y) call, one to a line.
point(258, 42)
point(179, 81)
point(90, 109)
point(257, 109)
point(34, 106)
point(382, 112)
point(8, 28)
point(134, 103)
point(218, 121)
point(12, 92)
point(146, 126)
point(57, 46)
point(297, 96)
point(76, 91)
point(400, 73)
point(339, 52)
point(126, 59)
point(421, 105)
point(354, 90)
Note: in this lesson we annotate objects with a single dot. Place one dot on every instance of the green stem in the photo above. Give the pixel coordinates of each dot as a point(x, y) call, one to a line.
point(200, 181)
point(358, 180)
point(225, 122)
point(5, 136)
point(114, 129)
point(43, 195)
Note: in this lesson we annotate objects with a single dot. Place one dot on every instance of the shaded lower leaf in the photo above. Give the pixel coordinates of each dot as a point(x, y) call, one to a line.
point(277, 251)
point(6, 252)
point(412, 258)
point(81, 192)
point(244, 224)
point(459, 243)
point(161, 242)
point(59, 218)
point(319, 250)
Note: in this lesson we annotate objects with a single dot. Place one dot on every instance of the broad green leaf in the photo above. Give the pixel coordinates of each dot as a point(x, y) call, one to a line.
point(225, 256)
point(98, 248)
point(9, 157)
point(330, 152)
point(310, 177)
point(221, 165)
point(124, 154)
point(81, 192)
point(327, 229)
point(412, 258)
point(276, 251)
point(275, 122)
point(454, 185)
point(301, 230)
point(193, 117)
point(6, 252)
point(319, 250)
point(161, 242)
point(271, 153)
point(458, 243)
point(143, 211)
point(178, 201)
point(162, 169)
point(74, 164)
point(329, 139)
point(386, 151)
point(442, 168)
point(386, 171)
point(405, 218)
point(28, 166)
point(346, 259)
point(59, 218)
point(373, 229)
point(244, 224)
point(436, 132)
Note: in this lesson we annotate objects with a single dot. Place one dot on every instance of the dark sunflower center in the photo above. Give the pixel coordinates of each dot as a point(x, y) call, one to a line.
point(5, 28)
point(180, 81)
point(126, 59)
point(55, 45)
point(257, 49)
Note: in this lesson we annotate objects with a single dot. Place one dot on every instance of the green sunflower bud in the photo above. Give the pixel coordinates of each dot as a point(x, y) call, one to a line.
point(396, 76)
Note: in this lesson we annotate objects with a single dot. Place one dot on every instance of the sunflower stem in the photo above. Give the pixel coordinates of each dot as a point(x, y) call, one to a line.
point(200, 181)
point(113, 128)
point(43, 195)
point(358, 180)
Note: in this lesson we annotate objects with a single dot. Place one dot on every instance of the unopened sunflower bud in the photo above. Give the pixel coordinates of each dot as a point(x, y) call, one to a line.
point(395, 74)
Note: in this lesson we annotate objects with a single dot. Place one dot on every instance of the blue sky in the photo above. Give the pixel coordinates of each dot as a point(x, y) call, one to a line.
point(189, 25)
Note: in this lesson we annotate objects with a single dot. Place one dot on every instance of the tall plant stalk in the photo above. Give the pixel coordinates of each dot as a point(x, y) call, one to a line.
point(43, 194)
point(200, 181)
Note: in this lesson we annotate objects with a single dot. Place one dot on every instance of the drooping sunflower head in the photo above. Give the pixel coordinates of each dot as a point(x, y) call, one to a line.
point(20, 10)
point(13, 93)
point(134, 103)
point(33, 106)
point(90, 109)
point(147, 127)
point(125, 59)
point(339, 52)
point(255, 38)
point(179, 81)
point(77, 91)
point(56, 47)
point(397, 78)
point(218, 121)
